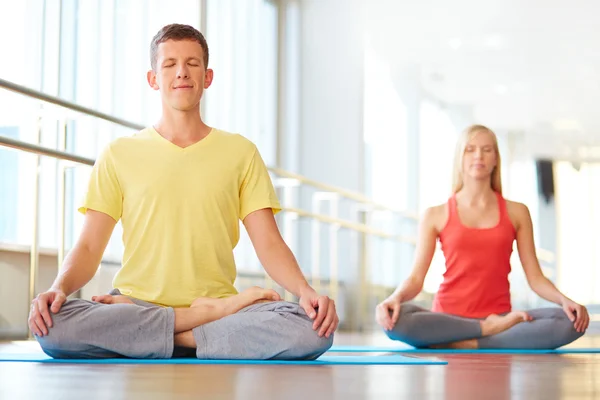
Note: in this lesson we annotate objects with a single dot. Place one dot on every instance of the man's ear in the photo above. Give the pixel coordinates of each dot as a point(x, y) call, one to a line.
point(151, 77)
point(208, 78)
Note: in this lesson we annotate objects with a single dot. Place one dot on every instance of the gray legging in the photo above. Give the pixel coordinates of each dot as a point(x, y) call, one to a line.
point(422, 328)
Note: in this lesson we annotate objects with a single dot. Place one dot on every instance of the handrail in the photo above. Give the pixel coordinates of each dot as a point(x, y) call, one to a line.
point(66, 104)
point(119, 121)
point(44, 151)
point(342, 192)
point(363, 228)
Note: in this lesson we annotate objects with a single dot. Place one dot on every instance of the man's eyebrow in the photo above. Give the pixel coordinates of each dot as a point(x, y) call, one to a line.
point(189, 58)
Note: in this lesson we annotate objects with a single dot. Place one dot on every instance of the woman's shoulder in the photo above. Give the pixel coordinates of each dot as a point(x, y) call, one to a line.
point(517, 212)
point(516, 207)
point(436, 216)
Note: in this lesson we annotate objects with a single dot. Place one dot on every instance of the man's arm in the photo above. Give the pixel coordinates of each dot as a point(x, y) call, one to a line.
point(281, 265)
point(274, 254)
point(78, 269)
point(83, 261)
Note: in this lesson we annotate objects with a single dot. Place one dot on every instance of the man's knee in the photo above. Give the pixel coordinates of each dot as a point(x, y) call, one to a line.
point(61, 340)
point(304, 341)
point(56, 345)
point(273, 330)
point(311, 345)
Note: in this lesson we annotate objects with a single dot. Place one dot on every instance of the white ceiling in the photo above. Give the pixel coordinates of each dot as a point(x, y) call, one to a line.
point(531, 67)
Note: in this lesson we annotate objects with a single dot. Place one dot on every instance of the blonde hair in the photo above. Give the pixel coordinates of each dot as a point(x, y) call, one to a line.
point(465, 137)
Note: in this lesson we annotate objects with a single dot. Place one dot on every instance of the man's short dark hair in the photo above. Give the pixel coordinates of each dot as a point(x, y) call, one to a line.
point(177, 32)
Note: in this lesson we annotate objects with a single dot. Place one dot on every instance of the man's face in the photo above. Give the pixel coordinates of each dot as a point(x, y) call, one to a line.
point(180, 74)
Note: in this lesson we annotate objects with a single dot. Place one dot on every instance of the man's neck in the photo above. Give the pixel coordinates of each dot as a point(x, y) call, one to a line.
point(182, 128)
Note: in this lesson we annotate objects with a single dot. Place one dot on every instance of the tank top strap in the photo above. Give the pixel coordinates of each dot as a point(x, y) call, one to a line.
point(452, 210)
point(504, 217)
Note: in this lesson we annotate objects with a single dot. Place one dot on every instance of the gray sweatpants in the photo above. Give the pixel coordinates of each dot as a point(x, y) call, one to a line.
point(422, 328)
point(275, 330)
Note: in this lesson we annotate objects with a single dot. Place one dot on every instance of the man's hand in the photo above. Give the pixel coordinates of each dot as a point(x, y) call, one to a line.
point(39, 317)
point(577, 313)
point(322, 310)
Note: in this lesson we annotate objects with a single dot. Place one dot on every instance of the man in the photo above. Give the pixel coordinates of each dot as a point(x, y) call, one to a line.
point(180, 189)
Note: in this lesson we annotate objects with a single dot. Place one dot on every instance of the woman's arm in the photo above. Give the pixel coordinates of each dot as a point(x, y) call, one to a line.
point(425, 249)
point(388, 311)
point(541, 285)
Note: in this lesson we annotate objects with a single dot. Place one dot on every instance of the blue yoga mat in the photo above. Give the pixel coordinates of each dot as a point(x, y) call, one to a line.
point(407, 349)
point(323, 360)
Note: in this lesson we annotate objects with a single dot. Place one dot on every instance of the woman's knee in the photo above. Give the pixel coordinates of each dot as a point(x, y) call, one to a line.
point(404, 329)
point(407, 312)
point(564, 332)
point(548, 313)
point(561, 330)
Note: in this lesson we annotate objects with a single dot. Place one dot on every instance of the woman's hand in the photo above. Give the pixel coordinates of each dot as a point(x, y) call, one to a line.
point(577, 313)
point(387, 312)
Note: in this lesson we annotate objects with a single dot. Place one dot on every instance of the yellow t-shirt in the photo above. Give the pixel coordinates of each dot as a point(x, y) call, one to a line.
point(180, 210)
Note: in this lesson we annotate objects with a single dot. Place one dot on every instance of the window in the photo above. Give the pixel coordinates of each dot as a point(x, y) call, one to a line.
point(242, 40)
point(94, 53)
point(578, 218)
point(437, 141)
point(386, 161)
point(385, 134)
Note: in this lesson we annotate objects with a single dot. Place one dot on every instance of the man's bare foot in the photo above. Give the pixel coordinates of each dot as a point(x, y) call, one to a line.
point(233, 304)
point(112, 299)
point(255, 295)
point(495, 324)
point(463, 344)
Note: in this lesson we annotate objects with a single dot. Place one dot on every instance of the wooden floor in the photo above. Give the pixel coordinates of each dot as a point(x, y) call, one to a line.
point(467, 376)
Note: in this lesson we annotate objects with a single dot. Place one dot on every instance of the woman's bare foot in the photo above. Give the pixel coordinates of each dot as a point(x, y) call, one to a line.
point(492, 325)
point(495, 324)
point(112, 299)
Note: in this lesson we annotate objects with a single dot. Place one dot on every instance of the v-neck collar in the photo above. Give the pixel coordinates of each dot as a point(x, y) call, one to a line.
point(200, 143)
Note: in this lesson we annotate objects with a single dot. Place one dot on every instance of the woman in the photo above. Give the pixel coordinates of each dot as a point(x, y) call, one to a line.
point(476, 229)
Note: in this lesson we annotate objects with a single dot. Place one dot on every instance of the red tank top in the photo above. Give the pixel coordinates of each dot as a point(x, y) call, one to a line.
point(476, 282)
